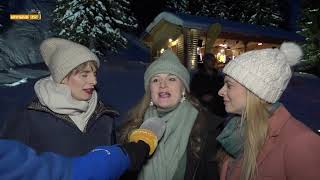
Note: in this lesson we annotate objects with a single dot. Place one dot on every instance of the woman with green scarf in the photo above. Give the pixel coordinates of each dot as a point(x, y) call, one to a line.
point(188, 147)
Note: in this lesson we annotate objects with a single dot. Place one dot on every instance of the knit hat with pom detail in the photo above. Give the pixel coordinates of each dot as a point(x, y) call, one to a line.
point(62, 56)
point(265, 72)
point(169, 63)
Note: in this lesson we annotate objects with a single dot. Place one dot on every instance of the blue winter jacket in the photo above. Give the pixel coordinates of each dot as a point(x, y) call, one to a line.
point(19, 162)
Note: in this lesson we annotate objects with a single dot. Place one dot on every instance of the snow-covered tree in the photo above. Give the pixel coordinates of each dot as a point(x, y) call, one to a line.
point(260, 12)
point(2, 14)
point(94, 23)
point(310, 29)
point(181, 6)
point(213, 8)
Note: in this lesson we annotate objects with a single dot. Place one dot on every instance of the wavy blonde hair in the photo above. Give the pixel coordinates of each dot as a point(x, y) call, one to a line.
point(255, 118)
point(136, 116)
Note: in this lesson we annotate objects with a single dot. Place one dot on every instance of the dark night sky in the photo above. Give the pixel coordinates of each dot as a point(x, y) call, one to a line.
point(146, 10)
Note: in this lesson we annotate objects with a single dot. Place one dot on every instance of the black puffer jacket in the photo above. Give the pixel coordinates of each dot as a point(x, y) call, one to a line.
point(45, 130)
point(207, 127)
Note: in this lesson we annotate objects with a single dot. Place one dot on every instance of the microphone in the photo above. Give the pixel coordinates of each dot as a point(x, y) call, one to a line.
point(150, 132)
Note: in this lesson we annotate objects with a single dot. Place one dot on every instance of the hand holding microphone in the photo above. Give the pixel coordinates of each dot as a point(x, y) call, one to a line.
point(143, 141)
point(149, 132)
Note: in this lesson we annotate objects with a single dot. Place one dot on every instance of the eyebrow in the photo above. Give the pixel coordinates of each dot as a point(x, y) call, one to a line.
point(228, 81)
point(87, 71)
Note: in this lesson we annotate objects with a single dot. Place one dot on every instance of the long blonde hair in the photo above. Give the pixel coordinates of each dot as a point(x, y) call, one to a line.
point(255, 118)
point(136, 116)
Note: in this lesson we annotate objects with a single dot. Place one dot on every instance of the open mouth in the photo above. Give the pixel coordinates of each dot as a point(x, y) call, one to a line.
point(88, 91)
point(164, 95)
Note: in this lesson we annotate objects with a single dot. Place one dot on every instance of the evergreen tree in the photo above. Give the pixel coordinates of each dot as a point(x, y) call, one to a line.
point(94, 23)
point(2, 14)
point(181, 6)
point(260, 12)
point(214, 8)
point(310, 29)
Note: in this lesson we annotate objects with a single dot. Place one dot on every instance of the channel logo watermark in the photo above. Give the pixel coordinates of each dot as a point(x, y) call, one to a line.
point(32, 15)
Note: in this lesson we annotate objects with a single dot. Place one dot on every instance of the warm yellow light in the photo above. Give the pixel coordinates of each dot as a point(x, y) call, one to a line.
point(223, 45)
point(162, 50)
point(170, 40)
point(193, 63)
point(259, 44)
point(173, 43)
point(221, 57)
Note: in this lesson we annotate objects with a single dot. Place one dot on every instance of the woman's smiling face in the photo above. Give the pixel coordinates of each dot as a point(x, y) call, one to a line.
point(234, 96)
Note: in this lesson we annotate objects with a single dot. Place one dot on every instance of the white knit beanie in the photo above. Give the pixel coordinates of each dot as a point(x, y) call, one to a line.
point(62, 56)
point(265, 72)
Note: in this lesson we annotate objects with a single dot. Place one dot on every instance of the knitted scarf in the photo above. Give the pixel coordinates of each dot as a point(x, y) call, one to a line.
point(172, 147)
point(58, 98)
point(232, 139)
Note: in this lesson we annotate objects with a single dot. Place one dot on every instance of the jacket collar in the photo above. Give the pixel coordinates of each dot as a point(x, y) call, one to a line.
point(278, 119)
point(276, 122)
point(100, 110)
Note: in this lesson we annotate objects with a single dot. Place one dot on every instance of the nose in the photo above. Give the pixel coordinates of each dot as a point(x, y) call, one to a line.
point(221, 91)
point(93, 80)
point(163, 84)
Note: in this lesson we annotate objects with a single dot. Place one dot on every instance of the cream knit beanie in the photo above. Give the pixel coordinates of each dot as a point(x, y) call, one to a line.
point(265, 72)
point(168, 62)
point(62, 56)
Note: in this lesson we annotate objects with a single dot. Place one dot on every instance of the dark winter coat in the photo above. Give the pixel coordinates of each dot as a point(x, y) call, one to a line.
point(202, 84)
point(207, 127)
point(200, 166)
point(45, 130)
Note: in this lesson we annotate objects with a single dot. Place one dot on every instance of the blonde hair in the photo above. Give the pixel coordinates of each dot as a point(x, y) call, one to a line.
point(255, 118)
point(136, 116)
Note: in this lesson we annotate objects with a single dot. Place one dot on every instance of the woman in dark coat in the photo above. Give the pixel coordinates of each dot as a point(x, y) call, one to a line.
point(66, 116)
point(188, 147)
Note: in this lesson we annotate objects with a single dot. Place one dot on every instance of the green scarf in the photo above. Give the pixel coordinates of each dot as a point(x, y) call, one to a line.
point(231, 138)
point(172, 147)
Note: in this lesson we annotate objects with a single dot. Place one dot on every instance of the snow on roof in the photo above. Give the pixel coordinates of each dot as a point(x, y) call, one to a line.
point(202, 23)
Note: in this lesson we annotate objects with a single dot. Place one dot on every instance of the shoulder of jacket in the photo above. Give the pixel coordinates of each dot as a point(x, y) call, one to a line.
point(106, 109)
point(36, 105)
point(207, 118)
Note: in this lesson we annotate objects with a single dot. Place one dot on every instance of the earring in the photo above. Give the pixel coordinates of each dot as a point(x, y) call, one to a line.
point(151, 103)
point(183, 98)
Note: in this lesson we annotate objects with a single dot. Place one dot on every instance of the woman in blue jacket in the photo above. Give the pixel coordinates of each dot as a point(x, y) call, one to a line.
point(66, 116)
point(19, 162)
